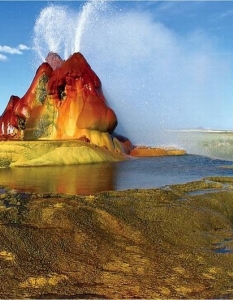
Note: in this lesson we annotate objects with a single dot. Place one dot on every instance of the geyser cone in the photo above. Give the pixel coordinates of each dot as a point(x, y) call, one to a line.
point(65, 101)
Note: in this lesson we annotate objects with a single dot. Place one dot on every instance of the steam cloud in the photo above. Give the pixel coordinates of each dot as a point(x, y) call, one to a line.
point(152, 77)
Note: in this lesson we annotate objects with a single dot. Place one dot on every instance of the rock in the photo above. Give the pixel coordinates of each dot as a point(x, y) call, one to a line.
point(124, 141)
point(65, 101)
point(84, 139)
point(145, 243)
point(9, 120)
point(54, 60)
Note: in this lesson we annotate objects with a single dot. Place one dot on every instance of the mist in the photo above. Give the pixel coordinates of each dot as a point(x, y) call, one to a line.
point(153, 78)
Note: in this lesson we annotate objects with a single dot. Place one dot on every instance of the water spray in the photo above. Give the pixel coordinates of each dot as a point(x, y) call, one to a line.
point(57, 29)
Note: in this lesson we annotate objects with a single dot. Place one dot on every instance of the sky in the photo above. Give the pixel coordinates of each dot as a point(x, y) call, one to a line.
point(163, 64)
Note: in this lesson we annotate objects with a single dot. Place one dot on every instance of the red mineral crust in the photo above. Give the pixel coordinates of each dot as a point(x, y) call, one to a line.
point(9, 121)
point(64, 101)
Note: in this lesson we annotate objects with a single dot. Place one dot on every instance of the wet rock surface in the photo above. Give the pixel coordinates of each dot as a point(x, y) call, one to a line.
point(157, 243)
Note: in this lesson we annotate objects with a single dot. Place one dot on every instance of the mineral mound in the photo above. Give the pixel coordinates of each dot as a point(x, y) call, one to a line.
point(65, 101)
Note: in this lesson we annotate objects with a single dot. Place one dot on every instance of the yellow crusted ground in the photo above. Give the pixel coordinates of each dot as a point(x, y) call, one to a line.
point(170, 243)
point(41, 153)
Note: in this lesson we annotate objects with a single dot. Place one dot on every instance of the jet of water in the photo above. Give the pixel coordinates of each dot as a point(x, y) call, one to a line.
point(88, 9)
point(49, 30)
point(60, 30)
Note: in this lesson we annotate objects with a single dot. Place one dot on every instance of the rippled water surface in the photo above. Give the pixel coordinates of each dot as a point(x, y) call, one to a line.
point(138, 173)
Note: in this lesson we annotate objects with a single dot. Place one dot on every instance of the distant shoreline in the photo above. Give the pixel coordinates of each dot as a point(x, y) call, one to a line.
point(198, 130)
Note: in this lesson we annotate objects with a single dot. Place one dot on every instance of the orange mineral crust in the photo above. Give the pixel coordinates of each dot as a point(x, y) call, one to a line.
point(65, 101)
point(147, 151)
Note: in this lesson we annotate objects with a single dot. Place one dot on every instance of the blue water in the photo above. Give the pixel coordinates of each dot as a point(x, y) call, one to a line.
point(138, 173)
point(160, 171)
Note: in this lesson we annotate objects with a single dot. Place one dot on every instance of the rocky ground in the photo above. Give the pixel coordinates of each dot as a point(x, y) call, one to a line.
point(174, 242)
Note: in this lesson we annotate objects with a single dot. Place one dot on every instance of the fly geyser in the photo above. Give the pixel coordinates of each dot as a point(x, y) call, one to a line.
point(65, 102)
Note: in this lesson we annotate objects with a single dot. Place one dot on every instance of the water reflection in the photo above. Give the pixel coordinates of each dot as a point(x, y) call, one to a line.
point(79, 179)
point(139, 173)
